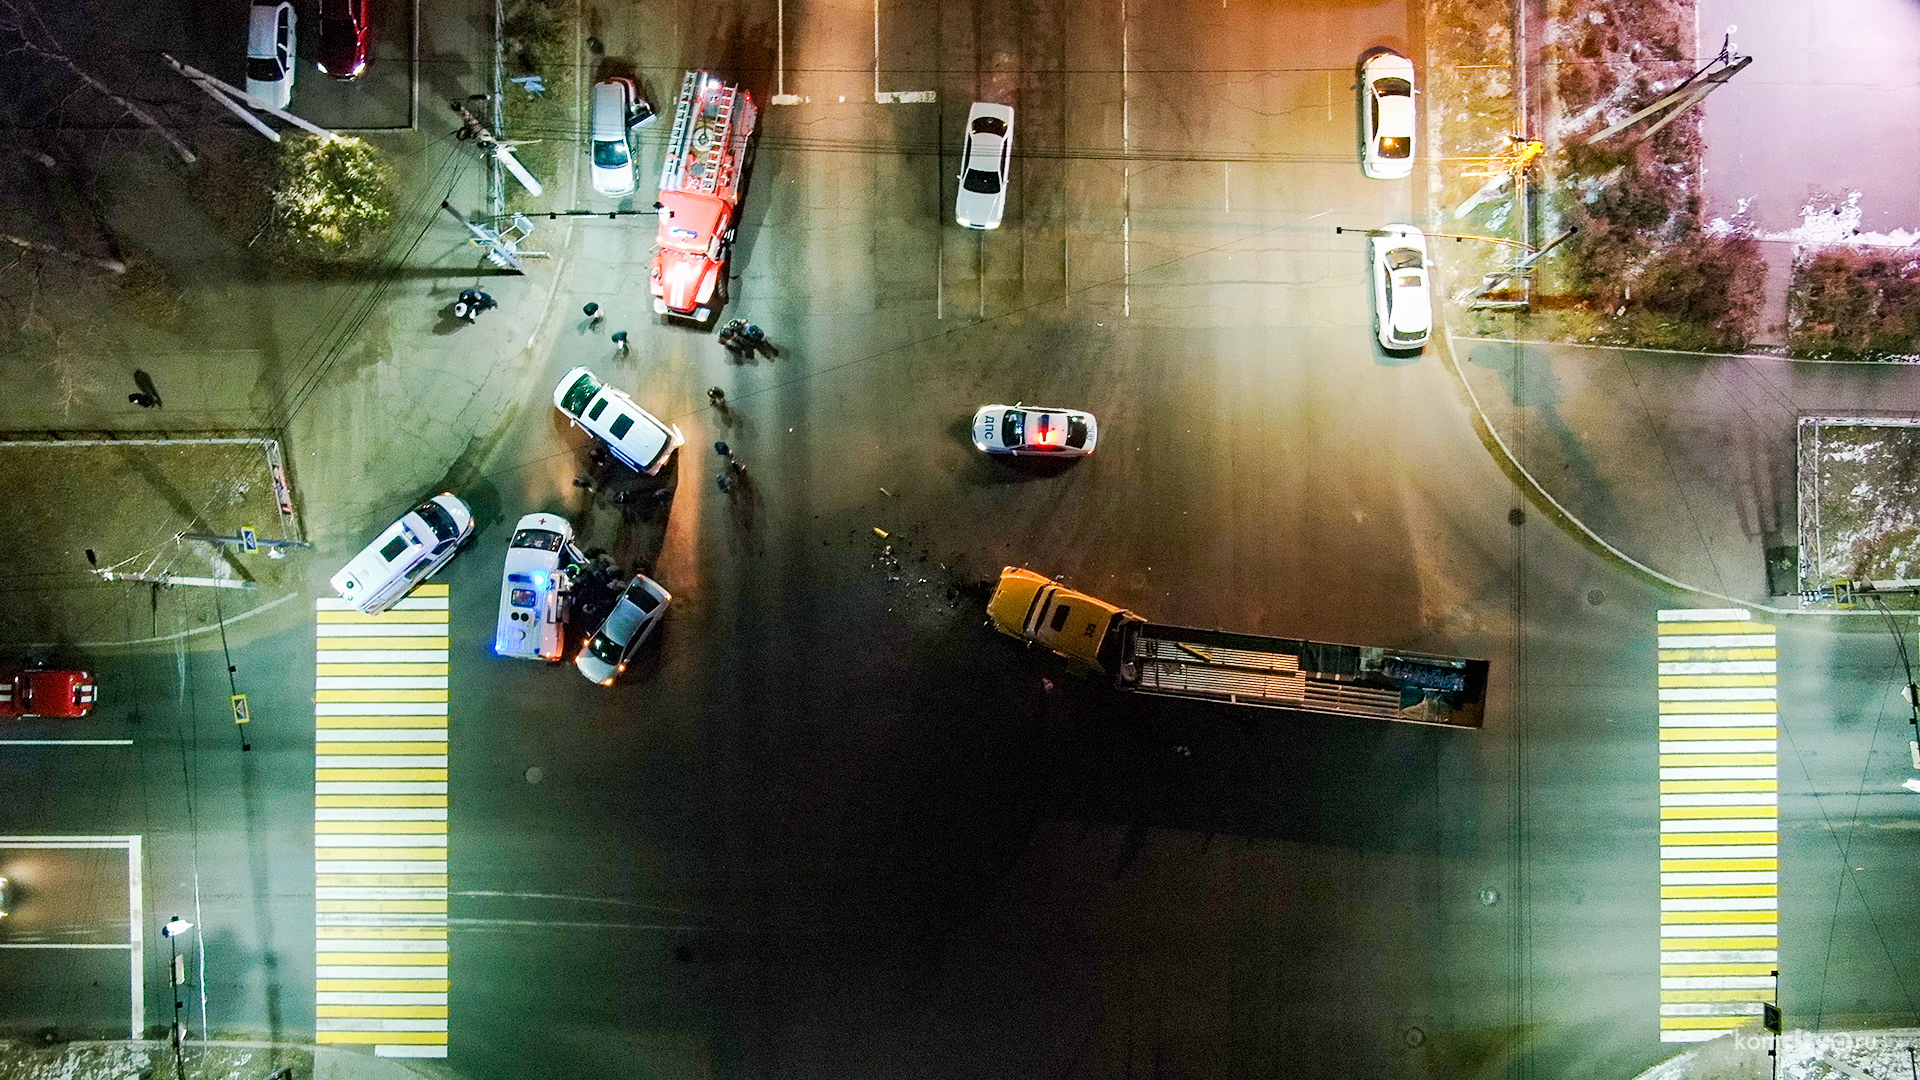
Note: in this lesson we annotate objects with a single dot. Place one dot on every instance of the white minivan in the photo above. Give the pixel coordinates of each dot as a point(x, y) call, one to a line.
point(612, 104)
point(405, 554)
point(534, 589)
point(635, 435)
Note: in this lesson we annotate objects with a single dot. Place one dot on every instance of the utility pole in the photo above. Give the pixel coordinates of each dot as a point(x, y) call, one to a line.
point(474, 131)
point(503, 245)
point(1691, 91)
point(177, 979)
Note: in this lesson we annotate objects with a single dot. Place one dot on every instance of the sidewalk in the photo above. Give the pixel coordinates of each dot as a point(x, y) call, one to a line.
point(218, 1060)
point(1684, 462)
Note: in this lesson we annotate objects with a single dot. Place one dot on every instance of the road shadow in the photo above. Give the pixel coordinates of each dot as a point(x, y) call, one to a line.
point(1564, 465)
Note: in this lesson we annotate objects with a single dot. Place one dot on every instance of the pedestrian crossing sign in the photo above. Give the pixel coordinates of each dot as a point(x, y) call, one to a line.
point(240, 713)
point(249, 539)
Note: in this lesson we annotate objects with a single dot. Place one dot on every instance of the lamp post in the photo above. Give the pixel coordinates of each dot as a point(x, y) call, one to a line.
point(177, 978)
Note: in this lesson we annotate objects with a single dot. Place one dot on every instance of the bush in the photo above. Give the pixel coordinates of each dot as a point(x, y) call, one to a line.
point(1851, 305)
point(332, 199)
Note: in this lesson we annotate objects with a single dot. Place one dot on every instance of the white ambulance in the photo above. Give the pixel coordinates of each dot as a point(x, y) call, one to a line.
point(535, 590)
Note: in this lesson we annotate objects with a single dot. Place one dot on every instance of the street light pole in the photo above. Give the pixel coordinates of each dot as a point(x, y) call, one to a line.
point(177, 978)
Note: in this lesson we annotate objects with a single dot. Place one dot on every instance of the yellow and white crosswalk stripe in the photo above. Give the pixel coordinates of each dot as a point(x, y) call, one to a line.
point(380, 825)
point(1719, 822)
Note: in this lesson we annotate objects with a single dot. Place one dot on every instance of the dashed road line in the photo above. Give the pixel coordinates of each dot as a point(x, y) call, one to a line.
point(1719, 822)
point(380, 825)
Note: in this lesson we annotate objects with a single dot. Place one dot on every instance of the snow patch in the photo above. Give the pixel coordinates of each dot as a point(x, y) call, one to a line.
point(1824, 222)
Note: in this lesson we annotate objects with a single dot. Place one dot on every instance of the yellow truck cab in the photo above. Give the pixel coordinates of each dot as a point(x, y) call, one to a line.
point(1037, 609)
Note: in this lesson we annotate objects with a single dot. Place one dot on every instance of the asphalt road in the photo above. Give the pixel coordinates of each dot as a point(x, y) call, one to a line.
point(831, 825)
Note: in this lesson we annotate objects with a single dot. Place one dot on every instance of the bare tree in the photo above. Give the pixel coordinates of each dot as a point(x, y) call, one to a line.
point(20, 20)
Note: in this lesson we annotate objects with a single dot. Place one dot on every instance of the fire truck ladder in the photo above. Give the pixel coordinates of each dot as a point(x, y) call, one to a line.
point(697, 146)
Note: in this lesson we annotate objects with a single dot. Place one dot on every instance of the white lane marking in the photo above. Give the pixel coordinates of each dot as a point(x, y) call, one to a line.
point(323, 736)
point(380, 787)
point(1687, 930)
point(380, 813)
point(1716, 641)
point(1719, 667)
point(1706, 615)
point(1670, 852)
point(1719, 693)
point(1716, 772)
point(380, 866)
point(383, 656)
point(374, 997)
point(380, 682)
point(380, 708)
point(1722, 798)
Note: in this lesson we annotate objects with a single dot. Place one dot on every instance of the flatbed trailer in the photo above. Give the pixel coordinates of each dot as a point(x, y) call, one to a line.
point(1238, 669)
point(1305, 676)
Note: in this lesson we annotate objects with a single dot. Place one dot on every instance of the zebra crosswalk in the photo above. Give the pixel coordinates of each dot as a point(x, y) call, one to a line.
point(380, 825)
point(1719, 822)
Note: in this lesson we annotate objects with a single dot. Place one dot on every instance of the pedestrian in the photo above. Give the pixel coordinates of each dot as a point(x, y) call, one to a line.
point(145, 401)
point(723, 449)
point(620, 341)
point(730, 335)
point(145, 382)
point(726, 484)
point(737, 467)
point(592, 312)
point(717, 396)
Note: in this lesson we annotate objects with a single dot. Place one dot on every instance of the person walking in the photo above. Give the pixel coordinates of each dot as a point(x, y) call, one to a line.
point(145, 401)
point(620, 341)
point(592, 312)
point(723, 449)
point(717, 397)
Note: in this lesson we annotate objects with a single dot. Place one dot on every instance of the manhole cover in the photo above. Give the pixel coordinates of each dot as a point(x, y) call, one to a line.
point(1489, 897)
point(1516, 517)
point(1415, 1036)
point(534, 775)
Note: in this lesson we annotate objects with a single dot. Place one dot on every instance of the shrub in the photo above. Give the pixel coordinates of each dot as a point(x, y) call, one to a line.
point(332, 199)
point(1852, 305)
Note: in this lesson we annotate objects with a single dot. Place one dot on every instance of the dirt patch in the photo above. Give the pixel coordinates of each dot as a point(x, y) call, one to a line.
point(540, 39)
point(1859, 500)
point(125, 502)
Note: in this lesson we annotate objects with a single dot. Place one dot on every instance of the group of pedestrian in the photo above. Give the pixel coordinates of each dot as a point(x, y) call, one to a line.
point(743, 338)
point(471, 303)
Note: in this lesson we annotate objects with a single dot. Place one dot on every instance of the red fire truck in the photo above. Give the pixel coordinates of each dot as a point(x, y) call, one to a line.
point(709, 154)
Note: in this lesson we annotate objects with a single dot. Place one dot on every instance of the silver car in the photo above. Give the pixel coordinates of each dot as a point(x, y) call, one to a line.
point(986, 158)
point(628, 625)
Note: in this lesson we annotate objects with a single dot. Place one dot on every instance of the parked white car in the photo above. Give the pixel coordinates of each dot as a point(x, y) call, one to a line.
point(612, 105)
point(1035, 430)
point(1402, 303)
point(270, 53)
point(534, 589)
point(986, 160)
point(406, 553)
point(626, 628)
point(636, 436)
point(1386, 116)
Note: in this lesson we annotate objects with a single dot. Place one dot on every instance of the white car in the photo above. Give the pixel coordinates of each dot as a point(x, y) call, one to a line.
point(534, 589)
point(1034, 430)
point(1386, 116)
point(270, 53)
point(628, 625)
point(612, 104)
point(986, 159)
point(406, 553)
point(1402, 302)
point(635, 436)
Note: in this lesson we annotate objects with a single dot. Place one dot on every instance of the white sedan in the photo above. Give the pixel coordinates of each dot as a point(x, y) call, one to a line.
point(1402, 303)
point(1386, 83)
point(1034, 430)
point(627, 627)
point(270, 53)
point(985, 161)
